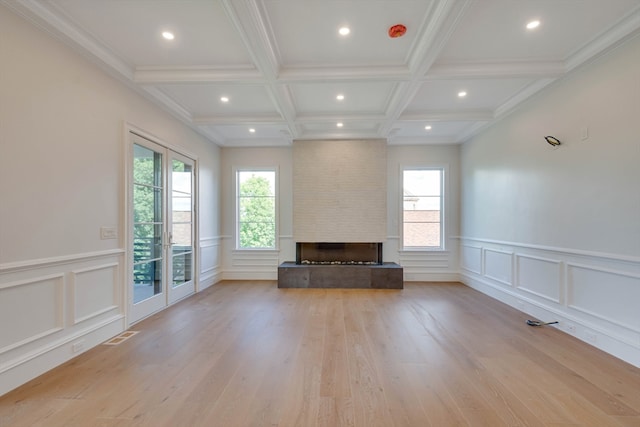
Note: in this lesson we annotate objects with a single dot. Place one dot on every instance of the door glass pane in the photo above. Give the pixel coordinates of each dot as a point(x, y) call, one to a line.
point(181, 222)
point(147, 223)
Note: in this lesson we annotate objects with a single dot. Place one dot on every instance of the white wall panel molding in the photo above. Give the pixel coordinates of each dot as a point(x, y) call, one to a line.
point(30, 310)
point(498, 265)
point(66, 259)
point(471, 258)
point(595, 291)
point(26, 365)
point(633, 260)
point(95, 291)
point(209, 254)
point(624, 345)
point(57, 307)
point(539, 276)
point(427, 266)
point(594, 297)
point(252, 265)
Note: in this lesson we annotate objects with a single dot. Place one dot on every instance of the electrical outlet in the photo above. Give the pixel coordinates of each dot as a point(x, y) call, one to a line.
point(108, 233)
point(584, 133)
point(77, 346)
point(592, 337)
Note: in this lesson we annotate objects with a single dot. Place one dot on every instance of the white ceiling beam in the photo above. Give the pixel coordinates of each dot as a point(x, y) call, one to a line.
point(497, 70)
point(442, 20)
point(239, 120)
point(249, 19)
point(447, 116)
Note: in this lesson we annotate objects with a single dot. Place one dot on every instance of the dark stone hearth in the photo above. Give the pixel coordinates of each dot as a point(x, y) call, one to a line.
point(378, 276)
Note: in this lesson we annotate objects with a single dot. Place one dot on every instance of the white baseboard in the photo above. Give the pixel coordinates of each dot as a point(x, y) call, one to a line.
point(429, 276)
point(270, 274)
point(17, 372)
point(595, 334)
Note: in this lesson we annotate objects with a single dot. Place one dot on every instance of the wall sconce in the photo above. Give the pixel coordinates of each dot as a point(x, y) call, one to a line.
point(553, 141)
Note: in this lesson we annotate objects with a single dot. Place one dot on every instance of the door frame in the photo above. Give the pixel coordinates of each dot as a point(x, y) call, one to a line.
point(127, 216)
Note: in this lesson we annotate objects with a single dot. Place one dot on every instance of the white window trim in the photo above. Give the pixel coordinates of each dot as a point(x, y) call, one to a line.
point(444, 206)
point(236, 189)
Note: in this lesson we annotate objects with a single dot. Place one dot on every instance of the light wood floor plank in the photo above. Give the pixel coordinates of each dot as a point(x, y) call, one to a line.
point(250, 354)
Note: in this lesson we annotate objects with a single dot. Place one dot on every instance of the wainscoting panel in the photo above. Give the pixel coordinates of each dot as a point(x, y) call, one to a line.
point(471, 258)
point(597, 292)
point(539, 276)
point(53, 309)
point(209, 262)
point(252, 265)
point(593, 296)
point(95, 291)
point(498, 265)
point(427, 266)
point(30, 310)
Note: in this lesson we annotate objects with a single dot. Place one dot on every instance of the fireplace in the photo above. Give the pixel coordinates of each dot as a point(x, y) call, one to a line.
point(339, 265)
point(330, 253)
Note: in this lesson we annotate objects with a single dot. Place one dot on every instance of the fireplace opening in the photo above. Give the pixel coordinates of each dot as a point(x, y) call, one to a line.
point(329, 253)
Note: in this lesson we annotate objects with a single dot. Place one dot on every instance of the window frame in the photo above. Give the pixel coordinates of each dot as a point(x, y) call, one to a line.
point(236, 172)
point(444, 170)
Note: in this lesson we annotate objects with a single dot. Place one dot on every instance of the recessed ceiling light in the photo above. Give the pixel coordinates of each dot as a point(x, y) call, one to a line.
point(340, 97)
point(224, 99)
point(344, 31)
point(168, 35)
point(427, 127)
point(462, 94)
point(252, 130)
point(533, 24)
point(339, 124)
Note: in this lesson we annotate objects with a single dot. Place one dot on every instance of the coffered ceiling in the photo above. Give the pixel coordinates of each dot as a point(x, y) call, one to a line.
point(282, 63)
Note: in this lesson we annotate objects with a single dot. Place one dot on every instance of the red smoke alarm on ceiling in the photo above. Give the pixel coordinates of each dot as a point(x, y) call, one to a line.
point(397, 30)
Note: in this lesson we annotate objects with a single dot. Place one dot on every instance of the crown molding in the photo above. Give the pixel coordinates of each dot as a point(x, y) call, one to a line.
point(512, 103)
point(177, 109)
point(447, 116)
point(426, 140)
point(238, 120)
point(54, 22)
point(627, 27)
point(320, 73)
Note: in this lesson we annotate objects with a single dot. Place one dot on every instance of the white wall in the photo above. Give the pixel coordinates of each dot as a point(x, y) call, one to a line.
point(418, 265)
point(556, 232)
point(62, 177)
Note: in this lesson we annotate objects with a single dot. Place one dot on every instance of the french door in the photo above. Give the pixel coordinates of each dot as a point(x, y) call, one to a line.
point(162, 227)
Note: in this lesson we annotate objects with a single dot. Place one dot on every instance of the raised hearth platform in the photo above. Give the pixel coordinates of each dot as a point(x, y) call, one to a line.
point(379, 276)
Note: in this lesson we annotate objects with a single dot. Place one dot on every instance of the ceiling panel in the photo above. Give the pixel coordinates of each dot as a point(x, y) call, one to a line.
point(133, 30)
point(437, 130)
point(243, 131)
point(442, 95)
point(281, 63)
point(307, 31)
point(205, 99)
point(495, 30)
point(321, 98)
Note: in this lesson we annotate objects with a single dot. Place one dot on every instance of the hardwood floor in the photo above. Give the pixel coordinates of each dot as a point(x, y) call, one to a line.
point(249, 354)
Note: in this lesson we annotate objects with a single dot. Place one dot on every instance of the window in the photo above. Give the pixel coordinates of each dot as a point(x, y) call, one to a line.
point(256, 209)
point(422, 208)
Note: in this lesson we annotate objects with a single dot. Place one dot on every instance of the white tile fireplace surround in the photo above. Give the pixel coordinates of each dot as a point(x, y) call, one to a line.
point(340, 191)
point(340, 198)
